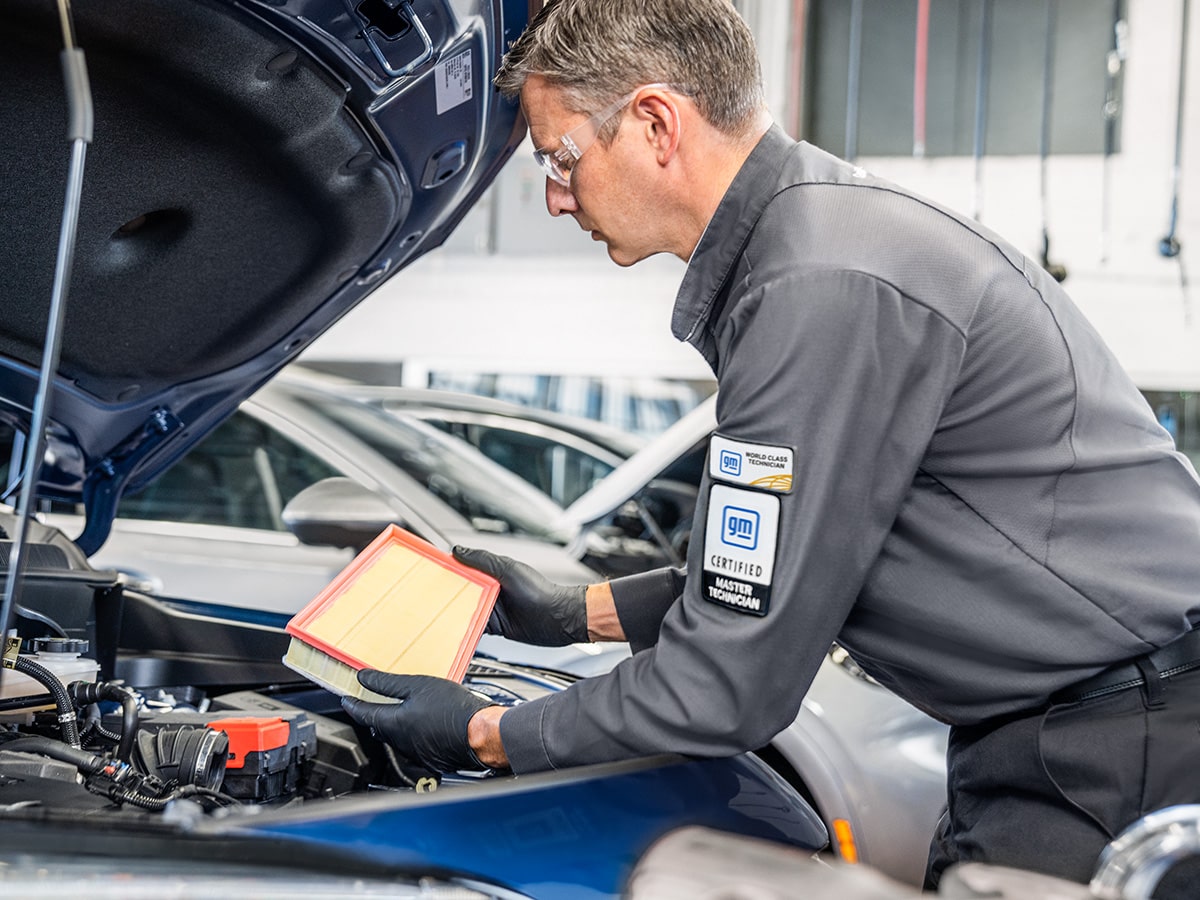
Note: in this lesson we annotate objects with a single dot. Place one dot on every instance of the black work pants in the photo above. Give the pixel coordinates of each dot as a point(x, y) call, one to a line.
point(1046, 791)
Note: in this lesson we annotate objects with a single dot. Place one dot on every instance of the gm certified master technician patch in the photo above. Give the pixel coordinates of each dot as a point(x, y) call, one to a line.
point(754, 465)
point(739, 548)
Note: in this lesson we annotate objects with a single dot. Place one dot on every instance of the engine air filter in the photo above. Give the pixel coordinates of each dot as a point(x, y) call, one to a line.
point(402, 606)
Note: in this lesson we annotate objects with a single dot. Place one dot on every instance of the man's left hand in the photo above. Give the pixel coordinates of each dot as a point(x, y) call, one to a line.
point(428, 726)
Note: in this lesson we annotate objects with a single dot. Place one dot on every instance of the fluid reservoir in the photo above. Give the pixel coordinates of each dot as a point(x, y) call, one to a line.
point(64, 657)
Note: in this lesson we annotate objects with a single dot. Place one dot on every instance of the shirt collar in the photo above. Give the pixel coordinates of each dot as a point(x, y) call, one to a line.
point(722, 241)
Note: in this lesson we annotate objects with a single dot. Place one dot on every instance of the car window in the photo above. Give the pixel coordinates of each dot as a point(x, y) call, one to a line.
point(1179, 413)
point(241, 475)
point(562, 472)
point(487, 496)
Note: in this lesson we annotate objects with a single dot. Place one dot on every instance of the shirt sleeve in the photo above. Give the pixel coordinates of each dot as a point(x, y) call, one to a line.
point(642, 600)
point(851, 376)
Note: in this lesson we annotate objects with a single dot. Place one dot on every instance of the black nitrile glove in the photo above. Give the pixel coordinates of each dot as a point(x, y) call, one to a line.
point(429, 726)
point(530, 608)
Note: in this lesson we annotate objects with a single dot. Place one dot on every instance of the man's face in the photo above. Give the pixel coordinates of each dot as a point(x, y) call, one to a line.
point(608, 192)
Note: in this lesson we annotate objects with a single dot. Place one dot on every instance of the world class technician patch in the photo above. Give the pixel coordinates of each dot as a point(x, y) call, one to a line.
point(753, 465)
point(740, 535)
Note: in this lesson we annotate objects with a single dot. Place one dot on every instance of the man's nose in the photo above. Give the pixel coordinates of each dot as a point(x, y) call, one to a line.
point(559, 199)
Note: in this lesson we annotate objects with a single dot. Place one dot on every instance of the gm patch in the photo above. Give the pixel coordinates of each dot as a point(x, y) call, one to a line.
point(754, 465)
point(740, 536)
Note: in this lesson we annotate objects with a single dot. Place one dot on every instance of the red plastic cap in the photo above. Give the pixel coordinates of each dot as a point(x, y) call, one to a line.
point(252, 734)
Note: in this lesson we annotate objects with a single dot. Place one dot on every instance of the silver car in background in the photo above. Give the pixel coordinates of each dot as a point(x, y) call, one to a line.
point(563, 456)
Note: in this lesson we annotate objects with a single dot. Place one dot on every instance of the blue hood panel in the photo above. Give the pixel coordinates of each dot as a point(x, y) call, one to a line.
point(571, 834)
point(257, 169)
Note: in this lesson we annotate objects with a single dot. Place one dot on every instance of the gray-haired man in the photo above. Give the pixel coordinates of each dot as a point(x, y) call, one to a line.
point(922, 450)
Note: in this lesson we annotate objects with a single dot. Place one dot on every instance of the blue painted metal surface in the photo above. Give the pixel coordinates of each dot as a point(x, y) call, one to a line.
point(101, 446)
point(570, 835)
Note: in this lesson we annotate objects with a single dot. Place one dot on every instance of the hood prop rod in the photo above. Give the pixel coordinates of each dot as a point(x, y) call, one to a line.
point(79, 133)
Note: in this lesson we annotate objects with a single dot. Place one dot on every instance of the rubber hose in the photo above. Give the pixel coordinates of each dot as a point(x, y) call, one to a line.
point(85, 762)
point(89, 764)
point(66, 709)
point(158, 804)
point(85, 692)
point(108, 735)
point(154, 804)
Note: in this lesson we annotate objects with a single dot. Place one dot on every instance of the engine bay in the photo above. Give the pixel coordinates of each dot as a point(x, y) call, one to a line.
point(113, 703)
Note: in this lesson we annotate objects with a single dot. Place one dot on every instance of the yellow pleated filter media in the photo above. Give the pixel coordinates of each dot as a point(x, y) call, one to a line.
point(401, 605)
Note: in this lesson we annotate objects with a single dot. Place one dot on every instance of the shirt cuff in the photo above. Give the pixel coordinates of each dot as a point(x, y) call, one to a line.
point(521, 735)
point(642, 601)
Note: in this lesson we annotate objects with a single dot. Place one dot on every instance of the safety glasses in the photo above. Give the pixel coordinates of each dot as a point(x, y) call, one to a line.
point(558, 160)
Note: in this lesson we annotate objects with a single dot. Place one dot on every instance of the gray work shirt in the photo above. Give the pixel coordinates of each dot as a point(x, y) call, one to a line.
point(982, 508)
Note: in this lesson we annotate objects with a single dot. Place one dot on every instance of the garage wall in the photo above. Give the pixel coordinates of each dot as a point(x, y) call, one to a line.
point(514, 290)
point(1132, 293)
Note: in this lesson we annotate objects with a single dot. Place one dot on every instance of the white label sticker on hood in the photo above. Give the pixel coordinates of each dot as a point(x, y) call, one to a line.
point(754, 465)
point(453, 81)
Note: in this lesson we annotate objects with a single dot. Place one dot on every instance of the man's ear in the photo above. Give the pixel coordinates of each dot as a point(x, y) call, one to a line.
point(660, 118)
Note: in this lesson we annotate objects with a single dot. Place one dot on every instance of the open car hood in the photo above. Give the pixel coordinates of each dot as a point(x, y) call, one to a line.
point(257, 168)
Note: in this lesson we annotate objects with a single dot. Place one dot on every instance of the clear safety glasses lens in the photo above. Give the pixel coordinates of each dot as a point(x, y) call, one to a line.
point(558, 163)
point(554, 167)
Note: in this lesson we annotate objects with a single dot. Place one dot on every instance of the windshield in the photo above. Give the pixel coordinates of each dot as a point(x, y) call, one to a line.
point(490, 497)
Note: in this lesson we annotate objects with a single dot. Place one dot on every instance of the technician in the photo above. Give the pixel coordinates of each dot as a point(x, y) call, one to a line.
point(923, 450)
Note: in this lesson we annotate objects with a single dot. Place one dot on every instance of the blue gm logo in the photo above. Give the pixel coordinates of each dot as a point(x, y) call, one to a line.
point(739, 527)
point(731, 463)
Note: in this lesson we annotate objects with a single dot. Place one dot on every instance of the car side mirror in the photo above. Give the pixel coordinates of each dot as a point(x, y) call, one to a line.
point(338, 512)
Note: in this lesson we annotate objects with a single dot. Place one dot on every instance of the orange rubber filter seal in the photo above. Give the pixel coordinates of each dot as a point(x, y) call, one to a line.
point(402, 606)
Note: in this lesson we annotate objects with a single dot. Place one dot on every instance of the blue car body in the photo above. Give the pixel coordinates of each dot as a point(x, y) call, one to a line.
point(255, 172)
point(573, 834)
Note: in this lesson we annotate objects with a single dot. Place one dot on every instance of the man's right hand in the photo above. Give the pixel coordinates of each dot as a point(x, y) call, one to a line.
point(530, 608)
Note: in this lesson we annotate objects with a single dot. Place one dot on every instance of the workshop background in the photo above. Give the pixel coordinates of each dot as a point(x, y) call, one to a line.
point(1042, 118)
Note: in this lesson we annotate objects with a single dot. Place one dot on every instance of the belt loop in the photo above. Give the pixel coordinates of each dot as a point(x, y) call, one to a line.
point(1155, 689)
